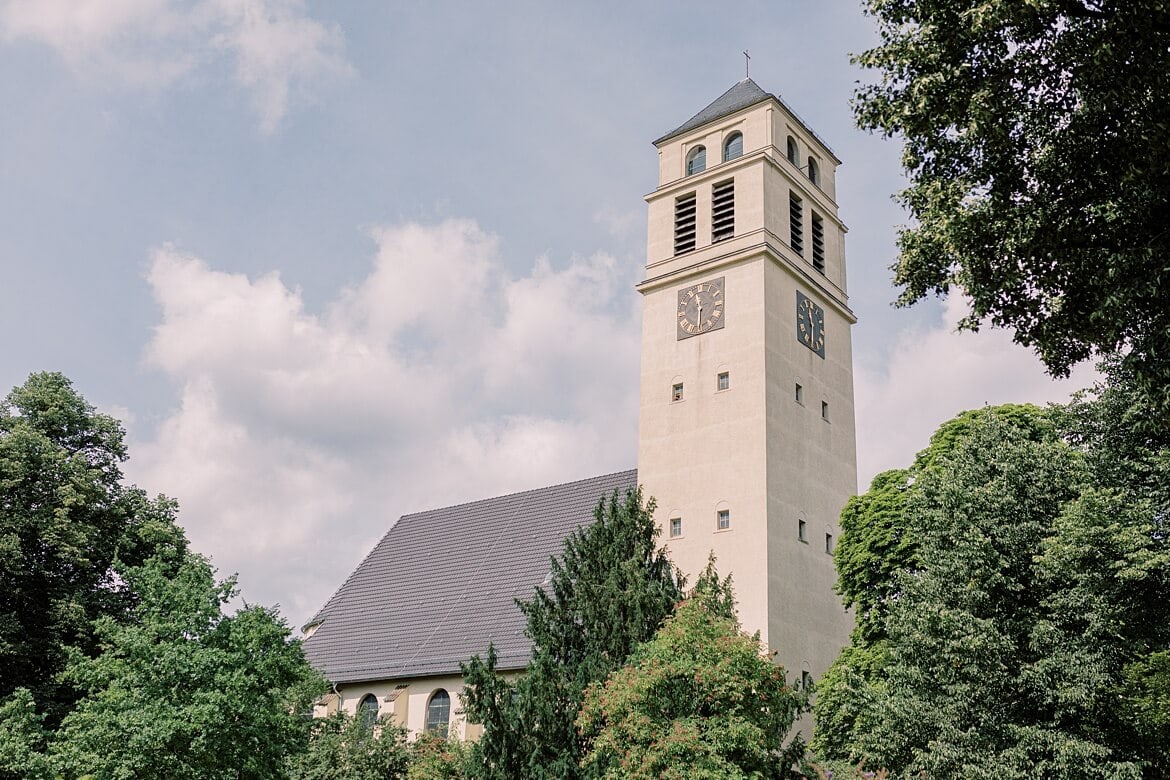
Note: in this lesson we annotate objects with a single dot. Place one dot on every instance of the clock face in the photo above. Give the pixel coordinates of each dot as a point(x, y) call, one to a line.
point(700, 308)
point(810, 324)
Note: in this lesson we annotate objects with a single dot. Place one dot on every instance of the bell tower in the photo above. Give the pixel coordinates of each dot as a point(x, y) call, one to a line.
point(746, 429)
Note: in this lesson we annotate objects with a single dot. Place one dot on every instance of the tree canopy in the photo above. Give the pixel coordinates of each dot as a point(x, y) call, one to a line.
point(699, 700)
point(609, 590)
point(65, 520)
point(1021, 628)
point(1037, 144)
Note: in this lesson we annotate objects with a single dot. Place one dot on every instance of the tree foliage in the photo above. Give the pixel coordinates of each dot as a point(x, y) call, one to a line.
point(1026, 635)
point(341, 747)
point(65, 521)
point(1037, 144)
point(609, 590)
point(699, 700)
point(182, 690)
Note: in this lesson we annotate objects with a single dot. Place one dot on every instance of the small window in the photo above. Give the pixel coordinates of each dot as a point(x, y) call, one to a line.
point(733, 147)
point(802, 530)
point(829, 543)
point(723, 519)
point(818, 243)
point(723, 211)
point(814, 171)
point(438, 712)
point(675, 527)
point(368, 711)
point(799, 394)
point(723, 381)
point(696, 160)
point(676, 392)
point(796, 224)
point(684, 223)
point(824, 410)
point(793, 156)
point(806, 681)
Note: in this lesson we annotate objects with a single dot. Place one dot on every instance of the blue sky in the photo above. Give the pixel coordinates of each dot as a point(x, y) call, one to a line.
point(332, 263)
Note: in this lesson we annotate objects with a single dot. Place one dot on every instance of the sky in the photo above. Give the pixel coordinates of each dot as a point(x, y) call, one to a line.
point(332, 263)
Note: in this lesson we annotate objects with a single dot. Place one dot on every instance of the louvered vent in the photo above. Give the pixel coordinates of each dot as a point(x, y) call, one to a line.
point(818, 243)
point(723, 211)
point(796, 218)
point(684, 224)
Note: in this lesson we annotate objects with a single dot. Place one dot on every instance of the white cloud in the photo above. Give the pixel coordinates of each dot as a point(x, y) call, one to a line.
point(278, 51)
point(931, 375)
point(300, 437)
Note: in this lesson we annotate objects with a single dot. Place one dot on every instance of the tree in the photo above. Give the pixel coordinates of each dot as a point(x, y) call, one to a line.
point(609, 590)
point(183, 691)
point(342, 747)
point(65, 519)
point(984, 676)
point(877, 546)
point(1037, 144)
point(699, 700)
point(22, 739)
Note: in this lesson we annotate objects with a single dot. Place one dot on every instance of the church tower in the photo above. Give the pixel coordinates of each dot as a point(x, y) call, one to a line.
point(746, 431)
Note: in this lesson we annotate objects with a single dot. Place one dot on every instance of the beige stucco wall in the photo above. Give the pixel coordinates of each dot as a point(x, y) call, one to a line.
point(408, 705)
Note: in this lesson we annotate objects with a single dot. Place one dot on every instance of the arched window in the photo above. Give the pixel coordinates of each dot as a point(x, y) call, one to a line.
point(368, 711)
point(733, 147)
point(793, 155)
point(814, 172)
point(438, 712)
point(696, 160)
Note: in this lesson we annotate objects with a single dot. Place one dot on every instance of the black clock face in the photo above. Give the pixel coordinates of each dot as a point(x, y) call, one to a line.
point(700, 308)
point(810, 324)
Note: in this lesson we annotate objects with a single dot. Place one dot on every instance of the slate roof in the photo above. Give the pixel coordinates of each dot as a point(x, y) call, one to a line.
point(440, 585)
point(745, 93)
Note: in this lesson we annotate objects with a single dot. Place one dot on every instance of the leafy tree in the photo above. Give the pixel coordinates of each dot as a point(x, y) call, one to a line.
point(609, 590)
point(341, 747)
point(435, 757)
point(877, 545)
point(22, 739)
point(699, 700)
point(181, 690)
point(1037, 144)
point(65, 519)
point(985, 676)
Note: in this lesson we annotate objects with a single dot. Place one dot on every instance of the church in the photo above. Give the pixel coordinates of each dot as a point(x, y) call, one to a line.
point(745, 436)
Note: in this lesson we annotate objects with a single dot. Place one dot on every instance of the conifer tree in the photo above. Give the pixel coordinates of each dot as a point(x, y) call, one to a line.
point(610, 590)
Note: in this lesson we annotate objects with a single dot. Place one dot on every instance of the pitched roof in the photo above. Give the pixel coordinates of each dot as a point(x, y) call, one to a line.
point(441, 585)
point(743, 94)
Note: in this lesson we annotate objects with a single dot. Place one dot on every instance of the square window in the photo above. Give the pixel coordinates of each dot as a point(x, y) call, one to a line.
point(675, 526)
point(676, 392)
point(824, 410)
point(723, 381)
point(829, 543)
point(802, 530)
point(799, 394)
point(723, 519)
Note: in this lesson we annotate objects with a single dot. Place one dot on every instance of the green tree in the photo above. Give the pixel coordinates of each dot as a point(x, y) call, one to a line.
point(877, 546)
point(341, 747)
point(699, 700)
point(65, 519)
point(609, 590)
point(435, 757)
point(1037, 145)
point(183, 691)
point(983, 676)
point(22, 739)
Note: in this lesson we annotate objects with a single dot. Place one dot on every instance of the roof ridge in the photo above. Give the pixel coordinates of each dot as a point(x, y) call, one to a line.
point(516, 493)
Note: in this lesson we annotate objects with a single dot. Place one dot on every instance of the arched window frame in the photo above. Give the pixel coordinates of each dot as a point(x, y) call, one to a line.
point(814, 171)
point(439, 702)
point(367, 711)
point(696, 160)
point(733, 146)
point(793, 152)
